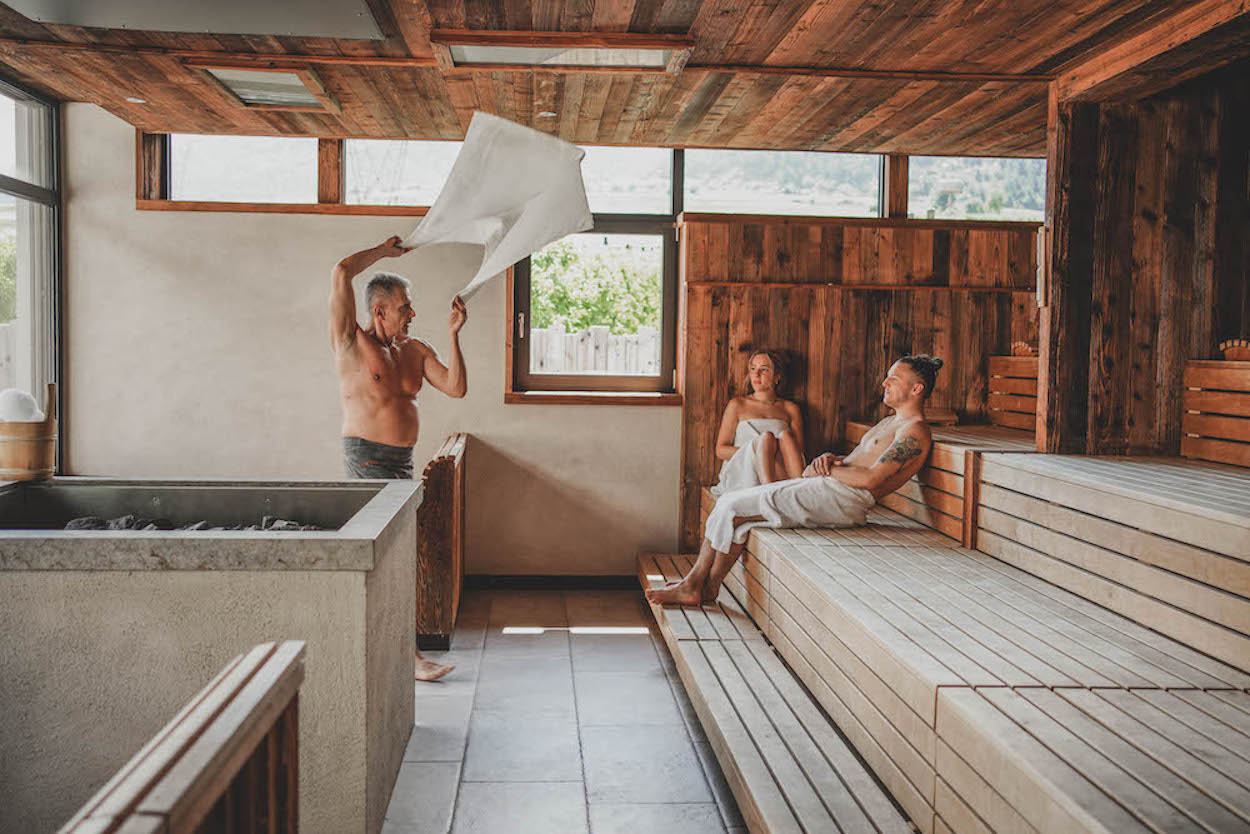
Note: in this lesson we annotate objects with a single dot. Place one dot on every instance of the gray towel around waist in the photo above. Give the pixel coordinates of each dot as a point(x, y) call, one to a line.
point(366, 459)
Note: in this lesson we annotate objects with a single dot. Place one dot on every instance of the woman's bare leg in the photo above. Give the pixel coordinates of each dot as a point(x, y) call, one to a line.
point(791, 455)
point(428, 670)
point(766, 458)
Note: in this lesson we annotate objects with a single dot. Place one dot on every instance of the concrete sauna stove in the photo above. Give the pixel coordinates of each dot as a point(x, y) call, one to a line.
point(105, 634)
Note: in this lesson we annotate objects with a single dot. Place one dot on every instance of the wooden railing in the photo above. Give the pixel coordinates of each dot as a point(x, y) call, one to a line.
point(227, 762)
point(440, 548)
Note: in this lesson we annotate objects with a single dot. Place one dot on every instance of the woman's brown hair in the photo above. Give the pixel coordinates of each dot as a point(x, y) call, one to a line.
point(779, 372)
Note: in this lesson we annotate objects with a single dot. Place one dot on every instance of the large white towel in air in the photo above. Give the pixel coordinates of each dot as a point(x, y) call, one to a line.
point(512, 190)
point(798, 502)
point(739, 471)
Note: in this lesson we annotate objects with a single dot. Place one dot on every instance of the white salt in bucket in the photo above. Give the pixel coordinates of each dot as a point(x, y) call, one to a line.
point(28, 450)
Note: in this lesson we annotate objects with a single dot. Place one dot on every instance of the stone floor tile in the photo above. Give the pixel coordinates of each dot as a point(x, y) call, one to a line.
point(527, 609)
point(604, 609)
point(655, 819)
point(720, 788)
point(505, 749)
point(550, 643)
point(621, 699)
point(521, 808)
point(641, 764)
point(613, 653)
point(424, 794)
point(440, 730)
point(527, 688)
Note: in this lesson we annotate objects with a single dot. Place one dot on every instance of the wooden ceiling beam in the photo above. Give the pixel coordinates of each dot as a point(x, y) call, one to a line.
point(572, 40)
point(1189, 22)
point(874, 74)
point(244, 60)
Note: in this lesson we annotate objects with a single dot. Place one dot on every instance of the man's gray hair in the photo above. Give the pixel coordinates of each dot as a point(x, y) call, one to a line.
point(384, 284)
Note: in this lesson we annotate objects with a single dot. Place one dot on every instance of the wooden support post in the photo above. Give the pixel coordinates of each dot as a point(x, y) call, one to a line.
point(972, 497)
point(329, 170)
point(894, 185)
point(151, 166)
point(1066, 318)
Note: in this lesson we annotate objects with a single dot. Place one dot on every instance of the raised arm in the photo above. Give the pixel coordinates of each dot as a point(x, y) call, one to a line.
point(343, 298)
point(451, 378)
point(725, 447)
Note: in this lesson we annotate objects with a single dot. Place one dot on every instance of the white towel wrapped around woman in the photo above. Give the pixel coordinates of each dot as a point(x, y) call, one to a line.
point(739, 471)
point(798, 502)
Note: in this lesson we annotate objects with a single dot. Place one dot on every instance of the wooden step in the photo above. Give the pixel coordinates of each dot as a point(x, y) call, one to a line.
point(789, 768)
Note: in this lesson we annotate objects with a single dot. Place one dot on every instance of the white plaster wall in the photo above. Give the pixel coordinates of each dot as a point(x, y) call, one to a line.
point(197, 346)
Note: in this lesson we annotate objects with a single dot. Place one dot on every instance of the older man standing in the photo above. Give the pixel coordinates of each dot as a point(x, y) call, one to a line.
point(381, 369)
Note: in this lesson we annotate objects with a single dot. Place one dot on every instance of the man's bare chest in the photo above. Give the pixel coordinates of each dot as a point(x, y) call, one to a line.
point(388, 369)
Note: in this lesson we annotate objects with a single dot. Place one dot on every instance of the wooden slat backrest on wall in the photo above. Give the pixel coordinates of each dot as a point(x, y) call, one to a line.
point(228, 761)
point(1013, 392)
point(781, 283)
point(440, 544)
point(1216, 424)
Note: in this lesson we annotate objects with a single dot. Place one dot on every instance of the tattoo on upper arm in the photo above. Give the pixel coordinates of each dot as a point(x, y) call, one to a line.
point(901, 451)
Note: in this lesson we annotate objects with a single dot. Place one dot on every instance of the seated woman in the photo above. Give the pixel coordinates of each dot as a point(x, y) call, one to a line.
point(761, 435)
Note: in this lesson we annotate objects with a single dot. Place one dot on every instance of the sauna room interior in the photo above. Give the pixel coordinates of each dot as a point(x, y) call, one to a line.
point(206, 625)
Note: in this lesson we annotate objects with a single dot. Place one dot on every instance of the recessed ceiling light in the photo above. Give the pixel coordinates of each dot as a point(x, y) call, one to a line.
point(134, 100)
point(547, 114)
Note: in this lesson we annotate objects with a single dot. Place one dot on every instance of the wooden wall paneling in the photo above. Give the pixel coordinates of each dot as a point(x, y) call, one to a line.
point(894, 184)
point(1111, 295)
point(1065, 323)
point(1232, 223)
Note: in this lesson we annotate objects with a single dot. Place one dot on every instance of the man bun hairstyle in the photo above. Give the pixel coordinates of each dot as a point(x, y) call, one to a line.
point(779, 371)
point(383, 284)
point(926, 367)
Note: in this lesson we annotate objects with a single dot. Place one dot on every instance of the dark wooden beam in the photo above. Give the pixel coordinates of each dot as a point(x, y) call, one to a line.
point(1190, 21)
point(329, 170)
point(875, 74)
point(894, 185)
point(1063, 366)
point(151, 166)
point(573, 40)
point(244, 60)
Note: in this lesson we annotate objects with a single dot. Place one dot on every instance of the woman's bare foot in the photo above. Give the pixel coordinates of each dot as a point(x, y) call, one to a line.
point(680, 594)
point(428, 670)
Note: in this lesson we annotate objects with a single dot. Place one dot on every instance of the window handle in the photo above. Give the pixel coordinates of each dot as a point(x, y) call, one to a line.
point(520, 325)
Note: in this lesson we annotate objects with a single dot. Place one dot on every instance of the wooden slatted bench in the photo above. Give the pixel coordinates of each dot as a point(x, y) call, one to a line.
point(228, 761)
point(1163, 541)
point(440, 544)
point(920, 652)
point(786, 764)
point(940, 493)
point(1216, 422)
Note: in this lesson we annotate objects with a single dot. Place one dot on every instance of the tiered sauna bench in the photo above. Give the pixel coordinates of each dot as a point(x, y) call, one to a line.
point(986, 698)
point(1163, 541)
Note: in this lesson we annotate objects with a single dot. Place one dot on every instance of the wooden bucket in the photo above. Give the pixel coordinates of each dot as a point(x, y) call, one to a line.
point(28, 450)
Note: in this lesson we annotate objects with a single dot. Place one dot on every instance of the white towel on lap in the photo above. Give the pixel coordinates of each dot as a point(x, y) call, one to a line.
point(739, 471)
point(799, 502)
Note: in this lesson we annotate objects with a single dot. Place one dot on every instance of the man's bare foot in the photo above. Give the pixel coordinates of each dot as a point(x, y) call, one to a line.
point(709, 597)
point(428, 670)
point(677, 595)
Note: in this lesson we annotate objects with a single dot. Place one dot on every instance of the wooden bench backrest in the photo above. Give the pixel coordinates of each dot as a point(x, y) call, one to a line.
point(1216, 423)
point(440, 548)
point(229, 760)
point(1013, 392)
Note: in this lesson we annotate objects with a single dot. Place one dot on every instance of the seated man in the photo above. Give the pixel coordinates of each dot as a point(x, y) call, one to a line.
point(833, 491)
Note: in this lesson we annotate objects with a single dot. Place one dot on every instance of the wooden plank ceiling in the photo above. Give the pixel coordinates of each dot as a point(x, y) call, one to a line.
point(737, 90)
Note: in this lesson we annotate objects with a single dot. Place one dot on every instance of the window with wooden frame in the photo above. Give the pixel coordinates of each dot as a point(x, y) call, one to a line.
point(594, 315)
